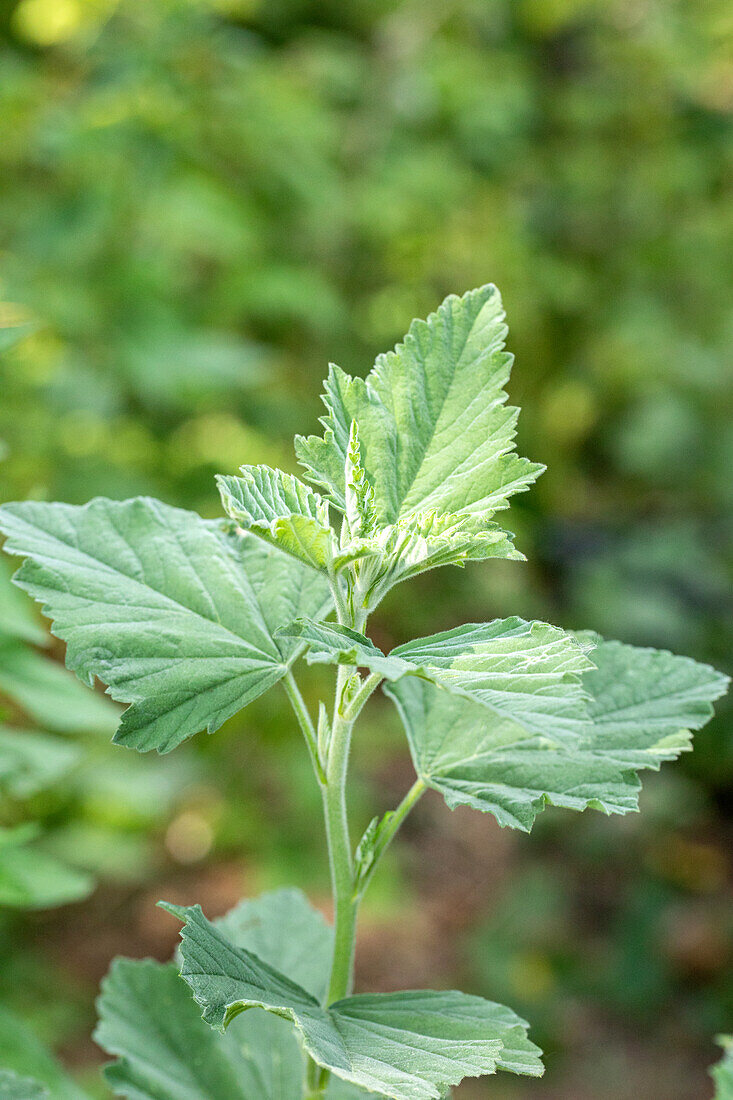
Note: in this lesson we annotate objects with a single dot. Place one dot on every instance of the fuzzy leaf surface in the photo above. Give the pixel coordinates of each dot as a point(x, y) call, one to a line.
point(434, 430)
point(530, 672)
point(283, 511)
point(174, 614)
point(407, 1046)
point(166, 1051)
point(642, 703)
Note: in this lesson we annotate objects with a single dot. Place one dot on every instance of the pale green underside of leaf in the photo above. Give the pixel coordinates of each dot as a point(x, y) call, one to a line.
point(171, 612)
point(643, 706)
point(13, 1087)
point(722, 1072)
point(31, 761)
point(406, 1046)
point(22, 1053)
point(280, 509)
point(31, 878)
point(530, 672)
point(434, 430)
point(165, 1049)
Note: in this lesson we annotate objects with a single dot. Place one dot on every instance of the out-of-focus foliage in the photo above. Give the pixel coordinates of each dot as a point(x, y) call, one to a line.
point(205, 200)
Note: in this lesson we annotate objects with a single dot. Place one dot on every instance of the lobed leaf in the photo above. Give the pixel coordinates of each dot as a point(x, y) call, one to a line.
point(434, 429)
point(165, 1050)
point(407, 1046)
point(280, 509)
point(530, 672)
point(175, 615)
point(642, 705)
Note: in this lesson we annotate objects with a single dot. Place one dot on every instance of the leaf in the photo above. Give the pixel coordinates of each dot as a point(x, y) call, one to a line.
point(31, 878)
point(722, 1071)
point(435, 433)
point(645, 703)
point(21, 1052)
point(13, 1087)
point(361, 513)
point(407, 1046)
point(50, 695)
point(175, 615)
point(167, 1052)
point(642, 705)
point(281, 510)
point(530, 672)
point(29, 762)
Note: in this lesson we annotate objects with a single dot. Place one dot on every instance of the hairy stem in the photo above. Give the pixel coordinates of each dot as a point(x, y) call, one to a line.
point(306, 724)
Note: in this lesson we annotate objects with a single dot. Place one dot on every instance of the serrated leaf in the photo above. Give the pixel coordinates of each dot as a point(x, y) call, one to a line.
point(31, 878)
point(360, 510)
point(31, 761)
point(722, 1071)
point(530, 672)
point(13, 1087)
point(280, 509)
point(407, 1046)
point(166, 1051)
point(645, 703)
point(641, 705)
point(174, 614)
point(435, 432)
point(21, 1052)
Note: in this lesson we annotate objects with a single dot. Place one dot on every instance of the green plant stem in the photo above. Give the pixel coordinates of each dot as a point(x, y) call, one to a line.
point(306, 724)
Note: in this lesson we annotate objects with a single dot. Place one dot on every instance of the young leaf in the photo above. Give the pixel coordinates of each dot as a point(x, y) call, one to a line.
point(530, 672)
point(722, 1071)
point(643, 705)
point(361, 513)
point(407, 1046)
point(258, 1056)
point(175, 615)
point(13, 1087)
point(281, 510)
point(435, 432)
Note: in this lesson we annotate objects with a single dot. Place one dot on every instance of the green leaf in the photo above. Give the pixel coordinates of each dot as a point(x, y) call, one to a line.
point(361, 513)
point(13, 1087)
point(722, 1072)
point(50, 695)
point(281, 510)
point(645, 703)
point(22, 1053)
point(29, 762)
point(166, 1051)
point(530, 672)
point(642, 706)
point(31, 878)
point(407, 1046)
point(434, 429)
point(174, 614)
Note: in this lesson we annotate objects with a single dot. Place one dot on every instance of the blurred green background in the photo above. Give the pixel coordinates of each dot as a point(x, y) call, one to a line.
point(203, 201)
